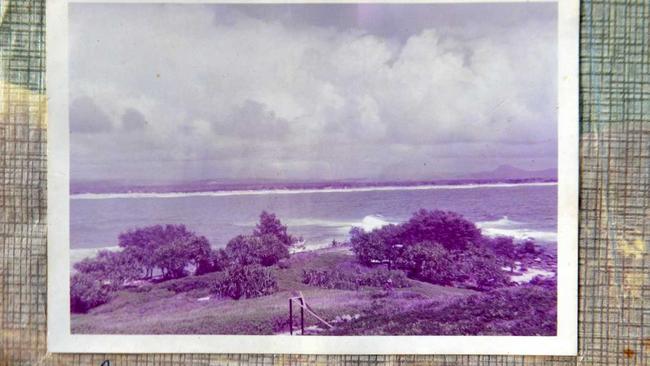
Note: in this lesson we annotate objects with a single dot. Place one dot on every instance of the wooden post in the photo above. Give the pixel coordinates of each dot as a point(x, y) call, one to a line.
point(290, 317)
point(302, 316)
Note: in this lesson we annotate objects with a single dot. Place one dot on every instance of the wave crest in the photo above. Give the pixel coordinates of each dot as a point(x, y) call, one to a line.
point(372, 222)
point(506, 227)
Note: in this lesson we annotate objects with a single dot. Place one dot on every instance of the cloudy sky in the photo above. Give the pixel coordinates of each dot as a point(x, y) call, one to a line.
point(310, 92)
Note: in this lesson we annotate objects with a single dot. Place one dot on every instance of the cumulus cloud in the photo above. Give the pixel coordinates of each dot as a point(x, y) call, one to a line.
point(315, 91)
point(133, 120)
point(87, 117)
point(253, 120)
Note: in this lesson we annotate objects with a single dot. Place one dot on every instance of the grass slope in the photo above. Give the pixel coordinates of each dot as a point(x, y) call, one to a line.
point(155, 309)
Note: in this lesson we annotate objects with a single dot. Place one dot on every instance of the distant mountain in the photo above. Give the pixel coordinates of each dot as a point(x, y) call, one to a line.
point(506, 172)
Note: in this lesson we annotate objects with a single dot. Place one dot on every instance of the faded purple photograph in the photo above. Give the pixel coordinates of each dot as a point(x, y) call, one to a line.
point(313, 169)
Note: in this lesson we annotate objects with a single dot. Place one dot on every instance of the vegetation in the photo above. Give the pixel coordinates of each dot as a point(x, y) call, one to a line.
point(246, 281)
point(217, 261)
point(270, 225)
point(433, 274)
point(114, 269)
point(330, 279)
point(504, 248)
point(187, 284)
point(177, 307)
point(438, 247)
point(355, 278)
point(173, 251)
point(86, 292)
point(449, 229)
point(426, 260)
point(387, 279)
point(169, 248)
point(524, 310)
point(264, 249)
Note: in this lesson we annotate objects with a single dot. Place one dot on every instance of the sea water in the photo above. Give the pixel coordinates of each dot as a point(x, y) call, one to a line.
point(318, 216)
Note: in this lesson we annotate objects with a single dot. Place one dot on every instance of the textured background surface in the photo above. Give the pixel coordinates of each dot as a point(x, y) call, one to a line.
point(615, 202)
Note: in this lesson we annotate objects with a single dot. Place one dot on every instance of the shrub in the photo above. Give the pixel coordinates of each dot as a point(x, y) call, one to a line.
point(387, 279)
point(479, 269)
point(503, 247)
point(246, 281)
point(369, 247)
point(188, 284)
point(265, 250)
point(217, 261)
point(86, 292)
point(387, 244)
point(270, 225)
point(414, 258)
point(449, 229)
point(528, 247)
point(522, 311)
point(429, 262)
point(114, 268)
point(343, 280)
point(330, 279)
point(437, 247)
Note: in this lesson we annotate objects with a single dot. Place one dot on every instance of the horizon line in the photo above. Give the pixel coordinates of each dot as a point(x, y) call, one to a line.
point(252, 192)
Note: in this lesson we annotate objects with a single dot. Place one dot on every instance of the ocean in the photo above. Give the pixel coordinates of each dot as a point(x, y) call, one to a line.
point(318, 215)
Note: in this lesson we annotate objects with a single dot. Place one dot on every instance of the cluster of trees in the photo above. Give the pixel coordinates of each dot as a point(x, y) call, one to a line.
point(433, 246)
point(441, 248)
point(173, 251)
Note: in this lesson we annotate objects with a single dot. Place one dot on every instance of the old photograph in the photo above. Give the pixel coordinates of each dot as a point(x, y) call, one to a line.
point(316, 170)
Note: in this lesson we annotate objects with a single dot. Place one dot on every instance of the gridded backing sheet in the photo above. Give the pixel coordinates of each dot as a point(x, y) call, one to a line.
point(614, 280)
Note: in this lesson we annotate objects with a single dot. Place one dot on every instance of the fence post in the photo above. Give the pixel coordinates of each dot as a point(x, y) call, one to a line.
point(290, 318)
point(302, 316)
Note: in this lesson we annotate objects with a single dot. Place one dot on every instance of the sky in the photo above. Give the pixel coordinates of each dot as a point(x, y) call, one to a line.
point(162, 92)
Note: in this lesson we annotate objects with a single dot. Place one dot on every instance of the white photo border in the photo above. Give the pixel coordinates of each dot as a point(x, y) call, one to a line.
point(60, 339)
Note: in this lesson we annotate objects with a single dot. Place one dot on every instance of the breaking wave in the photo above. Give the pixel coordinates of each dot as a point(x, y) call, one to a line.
point(368, 223)
point(372, 222)
point(506, 227)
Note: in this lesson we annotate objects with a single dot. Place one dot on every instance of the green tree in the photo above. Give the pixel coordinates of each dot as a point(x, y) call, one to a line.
point(428, 261)
point(270, 225)
point(449, 229)
point(86, 292)
point(252, 249)
point(114, 268)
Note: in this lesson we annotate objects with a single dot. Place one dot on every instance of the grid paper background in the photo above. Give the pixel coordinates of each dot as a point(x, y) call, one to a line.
point(614, 315)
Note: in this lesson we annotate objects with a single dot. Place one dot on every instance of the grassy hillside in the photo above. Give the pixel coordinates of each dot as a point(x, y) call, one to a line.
point(182, 306)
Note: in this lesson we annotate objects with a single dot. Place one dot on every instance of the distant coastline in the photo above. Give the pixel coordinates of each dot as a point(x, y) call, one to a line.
point(175, 191)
